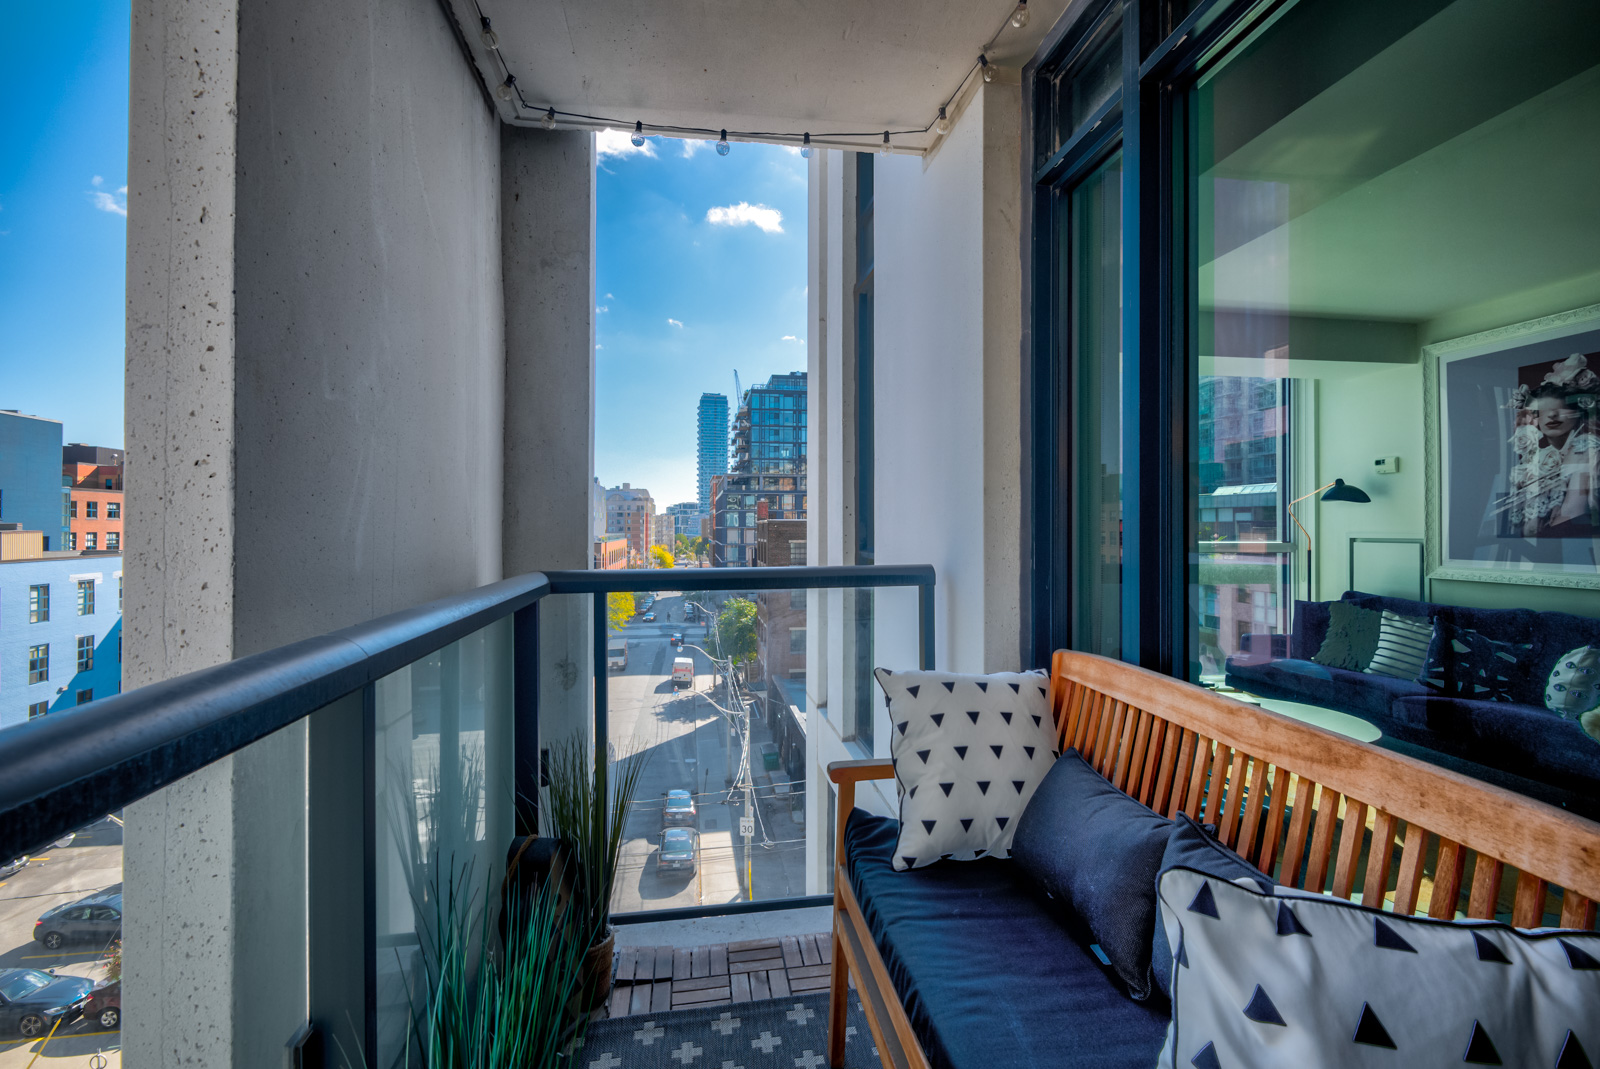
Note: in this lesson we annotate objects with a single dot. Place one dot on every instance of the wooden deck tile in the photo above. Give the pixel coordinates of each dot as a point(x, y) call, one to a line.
point(680, 963)
point(759, 988)
point(740, 985)
point(719, 961)
point(753, 944)
point(640, 999)
point(663, 963)
point(711, 996)
point(825, 947)
point(620, 997)
point(700, 983)
point(754, 954)
point(700, 962)
point(780, 983)
point(661, 996)
point(806, 972)
point(808, 950)
point(803, 984)
point(627, 957)
point(755, 966)
point(791, 952)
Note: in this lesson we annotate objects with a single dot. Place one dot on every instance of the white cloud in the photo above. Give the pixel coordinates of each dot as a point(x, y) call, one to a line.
point(610, 297)
point(602, 308)
point(674, 323)
point(793, 150)
point(743, 214)
point(691, 146)
point(597, 347)
point(620, 143)
point(115, 203)
point(791, 337)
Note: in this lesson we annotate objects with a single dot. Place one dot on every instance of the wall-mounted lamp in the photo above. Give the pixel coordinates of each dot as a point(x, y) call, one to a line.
point(1338, 490)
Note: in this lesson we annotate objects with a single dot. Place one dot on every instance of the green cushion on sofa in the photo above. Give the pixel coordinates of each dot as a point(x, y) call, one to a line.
point(1352, 637)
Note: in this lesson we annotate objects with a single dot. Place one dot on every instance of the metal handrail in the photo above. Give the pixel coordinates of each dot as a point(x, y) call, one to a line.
point(63, 771)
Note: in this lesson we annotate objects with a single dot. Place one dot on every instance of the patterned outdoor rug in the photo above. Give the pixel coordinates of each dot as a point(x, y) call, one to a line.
point(780, 1033)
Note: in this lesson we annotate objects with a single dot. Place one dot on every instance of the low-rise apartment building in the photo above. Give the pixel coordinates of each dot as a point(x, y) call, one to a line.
point(60, 633)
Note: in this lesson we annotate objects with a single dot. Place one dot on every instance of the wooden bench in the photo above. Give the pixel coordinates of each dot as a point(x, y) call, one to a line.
point(1313, 809)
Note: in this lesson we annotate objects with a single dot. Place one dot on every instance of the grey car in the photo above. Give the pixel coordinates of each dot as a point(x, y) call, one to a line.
point(96, 919)
point(679, 850)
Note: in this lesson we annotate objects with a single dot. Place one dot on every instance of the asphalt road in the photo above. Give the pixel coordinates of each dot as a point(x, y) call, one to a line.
point(684, 743)
point(91, 863)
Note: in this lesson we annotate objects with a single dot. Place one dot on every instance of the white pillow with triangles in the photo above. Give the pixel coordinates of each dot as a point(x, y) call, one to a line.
point(968, 750)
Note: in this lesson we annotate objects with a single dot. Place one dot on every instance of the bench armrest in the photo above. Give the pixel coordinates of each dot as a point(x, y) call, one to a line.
point(856, 771)
point(847, 774)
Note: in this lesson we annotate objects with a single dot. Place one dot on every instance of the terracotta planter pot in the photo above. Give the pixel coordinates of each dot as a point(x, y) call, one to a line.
point(597, 971)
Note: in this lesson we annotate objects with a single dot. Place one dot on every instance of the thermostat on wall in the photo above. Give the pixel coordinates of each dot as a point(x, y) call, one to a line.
point(1386, 465)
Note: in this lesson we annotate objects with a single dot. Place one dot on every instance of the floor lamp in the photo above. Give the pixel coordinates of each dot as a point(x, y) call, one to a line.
point(1338, 490)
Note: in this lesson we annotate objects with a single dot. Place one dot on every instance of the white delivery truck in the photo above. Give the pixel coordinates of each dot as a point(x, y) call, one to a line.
point(616, 654)
point(682, 672)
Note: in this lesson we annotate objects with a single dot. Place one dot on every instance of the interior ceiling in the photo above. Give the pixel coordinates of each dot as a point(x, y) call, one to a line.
point(1454, 168)
point(780, 66)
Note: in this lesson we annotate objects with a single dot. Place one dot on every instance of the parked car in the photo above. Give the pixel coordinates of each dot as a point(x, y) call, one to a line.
point(649, 617)
point(678, 808)
point(104, 1007)
point(12, 867)
point(31, 1002)
point(679, 850)
point(94, 919)
point(677, 639)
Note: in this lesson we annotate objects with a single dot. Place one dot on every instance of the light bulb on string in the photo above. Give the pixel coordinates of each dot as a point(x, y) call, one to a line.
point(805, 147)
point(1019, 17)
point(988, 71)
point(490, 39)
point(549, 120)
point(883, 149)
point(942, 125)
point(506, 88)
point(722, 144)
point(638, 134)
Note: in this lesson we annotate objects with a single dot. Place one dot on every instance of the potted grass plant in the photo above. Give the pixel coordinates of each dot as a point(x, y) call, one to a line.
point(586, 806)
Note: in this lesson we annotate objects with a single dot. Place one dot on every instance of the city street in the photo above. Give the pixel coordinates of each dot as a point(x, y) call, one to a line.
point(687, 744)
point(91, 863)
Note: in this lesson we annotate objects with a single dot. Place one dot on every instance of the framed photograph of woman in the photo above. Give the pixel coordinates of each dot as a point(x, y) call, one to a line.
point(1514, 453)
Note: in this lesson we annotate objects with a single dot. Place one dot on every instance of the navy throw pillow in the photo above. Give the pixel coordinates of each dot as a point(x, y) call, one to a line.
point(1192, 846)
point(1097, 852)
point(1464, 663)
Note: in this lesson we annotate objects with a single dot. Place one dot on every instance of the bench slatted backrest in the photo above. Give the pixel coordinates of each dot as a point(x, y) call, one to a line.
point(1319, 811)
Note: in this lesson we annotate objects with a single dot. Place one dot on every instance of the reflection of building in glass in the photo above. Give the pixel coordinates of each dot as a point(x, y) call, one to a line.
point(769, 464)
point(781, 637)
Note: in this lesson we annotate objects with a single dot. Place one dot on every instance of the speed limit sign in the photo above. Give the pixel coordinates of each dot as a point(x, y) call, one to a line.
point(747, 827)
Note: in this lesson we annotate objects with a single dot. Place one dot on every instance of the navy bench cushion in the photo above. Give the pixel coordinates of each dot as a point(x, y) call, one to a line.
point(989, 977)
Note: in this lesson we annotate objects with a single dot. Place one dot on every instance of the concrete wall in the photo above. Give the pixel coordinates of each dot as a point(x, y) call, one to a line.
point(949, 395)
point(315, 394)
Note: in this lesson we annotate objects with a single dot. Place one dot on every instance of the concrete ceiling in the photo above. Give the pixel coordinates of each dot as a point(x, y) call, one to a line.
point(778, 66)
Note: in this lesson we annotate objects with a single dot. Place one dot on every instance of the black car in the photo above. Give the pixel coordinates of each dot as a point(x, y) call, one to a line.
point(96, 919)
point(31, 1002)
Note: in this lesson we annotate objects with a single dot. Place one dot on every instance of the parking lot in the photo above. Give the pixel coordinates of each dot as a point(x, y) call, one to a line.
point(91, 863)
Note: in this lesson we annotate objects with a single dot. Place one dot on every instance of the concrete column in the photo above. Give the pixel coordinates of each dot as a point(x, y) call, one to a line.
point(547, 190)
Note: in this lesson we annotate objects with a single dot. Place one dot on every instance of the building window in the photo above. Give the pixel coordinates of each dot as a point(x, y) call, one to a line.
point(85, 653)
point(113, 540)
point(72, 508)
point(797, 640)
point(37, 709)
point(72, 540)
point(86, 595)
point(85, 696)
point(797, 600)
point(89, 540)
point(91, 510)
point(38, 664)
point(797, 552)
point(39, 604)
point(113, 510)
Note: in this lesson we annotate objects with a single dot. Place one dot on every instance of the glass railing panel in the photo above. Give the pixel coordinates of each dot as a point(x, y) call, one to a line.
point(61, 933)
point(443, 813)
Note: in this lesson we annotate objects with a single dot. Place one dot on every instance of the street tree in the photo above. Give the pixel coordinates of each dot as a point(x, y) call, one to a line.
point(734, 635)
point(660, 557)
point(619, 609)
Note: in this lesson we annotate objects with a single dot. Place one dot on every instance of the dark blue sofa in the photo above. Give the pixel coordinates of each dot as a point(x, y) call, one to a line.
point(1523, 739)
point(988, 974)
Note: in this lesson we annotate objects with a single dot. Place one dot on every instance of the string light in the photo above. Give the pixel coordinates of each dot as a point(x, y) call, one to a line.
point(506, 91)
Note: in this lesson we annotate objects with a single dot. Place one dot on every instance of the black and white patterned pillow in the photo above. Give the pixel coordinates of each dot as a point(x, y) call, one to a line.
point(968, 753)
point(1464, 663)
point(1310, 980)
point(1402, 646)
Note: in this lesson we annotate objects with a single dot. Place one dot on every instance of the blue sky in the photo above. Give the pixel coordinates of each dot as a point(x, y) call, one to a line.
point(63, 234)
point(700, 265)
point(700, 271)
